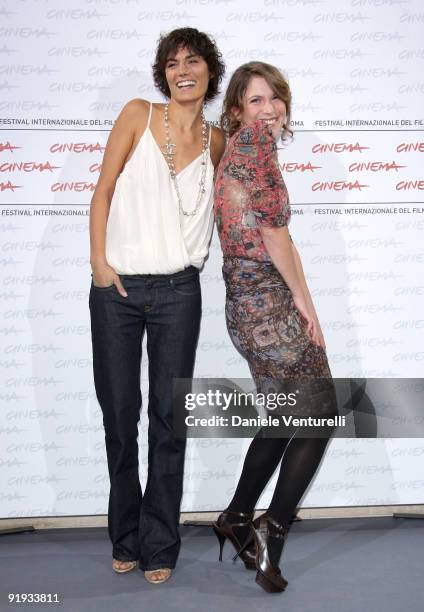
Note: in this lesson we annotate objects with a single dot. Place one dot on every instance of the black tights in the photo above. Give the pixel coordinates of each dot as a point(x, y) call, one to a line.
point(299, 457)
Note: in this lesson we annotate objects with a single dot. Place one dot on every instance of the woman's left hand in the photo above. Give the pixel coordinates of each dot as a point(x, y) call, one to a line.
point(277, 127)
point(317, 335)
point(314, 330)
point(309, 316)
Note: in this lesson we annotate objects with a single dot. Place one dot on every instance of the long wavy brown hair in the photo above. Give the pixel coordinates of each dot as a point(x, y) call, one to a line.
point(237, 88)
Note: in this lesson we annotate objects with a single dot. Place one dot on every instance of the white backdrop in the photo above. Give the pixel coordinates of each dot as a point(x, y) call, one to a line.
point(355, 177)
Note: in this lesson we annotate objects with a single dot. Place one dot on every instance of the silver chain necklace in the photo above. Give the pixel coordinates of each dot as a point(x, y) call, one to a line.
point(169, 156)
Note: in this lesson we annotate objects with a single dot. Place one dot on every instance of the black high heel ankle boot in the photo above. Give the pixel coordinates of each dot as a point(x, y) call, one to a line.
point(224, 528)
point(269, 538)
point(269, 535)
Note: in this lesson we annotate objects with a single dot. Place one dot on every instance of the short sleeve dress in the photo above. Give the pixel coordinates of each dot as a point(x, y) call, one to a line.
point(262, 320)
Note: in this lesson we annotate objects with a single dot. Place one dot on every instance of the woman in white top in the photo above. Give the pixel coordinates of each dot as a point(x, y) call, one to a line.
point(150, 226)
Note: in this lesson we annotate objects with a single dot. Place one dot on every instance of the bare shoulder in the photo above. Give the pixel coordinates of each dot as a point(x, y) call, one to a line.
point(134, 113)
point(129, 125)
point(217, 144)
point(137, 106)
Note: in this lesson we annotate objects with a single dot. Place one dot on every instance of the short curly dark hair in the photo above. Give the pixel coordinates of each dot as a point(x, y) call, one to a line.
point(199, 43)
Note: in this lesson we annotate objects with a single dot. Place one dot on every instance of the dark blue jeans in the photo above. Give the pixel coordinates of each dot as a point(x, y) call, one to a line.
point(168, 307)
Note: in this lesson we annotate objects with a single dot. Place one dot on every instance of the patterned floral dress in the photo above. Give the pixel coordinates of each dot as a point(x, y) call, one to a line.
point(262, 320)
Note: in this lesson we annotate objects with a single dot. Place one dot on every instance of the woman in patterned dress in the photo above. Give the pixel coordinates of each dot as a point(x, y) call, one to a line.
point(270, 315)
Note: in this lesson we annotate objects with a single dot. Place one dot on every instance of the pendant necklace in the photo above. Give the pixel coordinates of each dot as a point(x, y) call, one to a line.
point(169, 156)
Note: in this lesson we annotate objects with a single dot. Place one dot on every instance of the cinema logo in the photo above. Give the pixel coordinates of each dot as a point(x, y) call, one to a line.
point(114, 71)
point(411, 17)
point(77, 186)
point(74, 14)
point(375, 73)
point(26, 32)
point(204, 2)
point(253, 17)
point(300, 72)
point(105, 106)
point(376, 37)
point(76, 87)
point(76, 147)
point(376, 107)
point(376, 166)
point(410, 185)
point(339, 88)
point(251, 54)
point(338, 186)
point(116, 34)
point(338, 147)
point(83, 460)
point(75, 52)
point(31, 349)
point(291, 36)
point(26, 105)
point(164, 16)
point(305, 108)
point(341, 17)
point(7, 146)
point(26, 69)
point(298, 167)
point(339, 54)
point(8, 186)
point(407, 147)
point(27, 167)
point(407, 54)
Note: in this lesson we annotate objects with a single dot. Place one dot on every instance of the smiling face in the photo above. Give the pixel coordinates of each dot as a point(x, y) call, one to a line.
point(187, 75)
point(261, 102)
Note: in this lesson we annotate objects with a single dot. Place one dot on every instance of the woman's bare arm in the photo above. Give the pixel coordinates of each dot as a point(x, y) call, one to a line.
point(118, 149)
point(318, 335)
point(278, 244)
point(286, 259)
point(217, 147)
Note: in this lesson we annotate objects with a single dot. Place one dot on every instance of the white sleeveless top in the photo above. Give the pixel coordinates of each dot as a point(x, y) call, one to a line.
point(146, 233)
